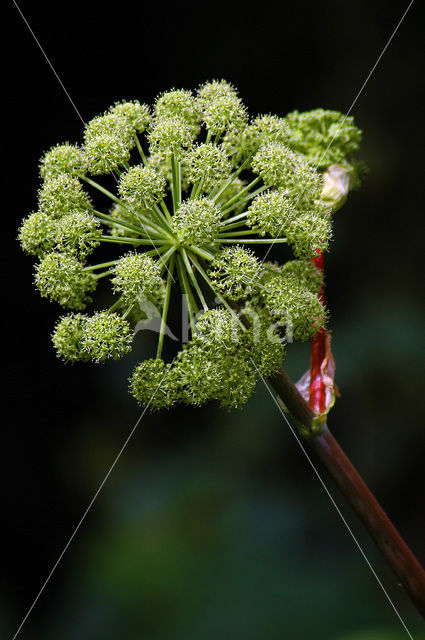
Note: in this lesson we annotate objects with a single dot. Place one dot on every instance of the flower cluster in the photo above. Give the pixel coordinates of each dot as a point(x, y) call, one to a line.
point(199, 186)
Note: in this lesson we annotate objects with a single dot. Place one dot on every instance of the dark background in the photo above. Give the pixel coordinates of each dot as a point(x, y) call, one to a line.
point(212, 524)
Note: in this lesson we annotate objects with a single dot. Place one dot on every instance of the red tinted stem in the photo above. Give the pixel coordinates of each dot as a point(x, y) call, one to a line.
point(317, 400)
point(391, 544)
point(393, 547)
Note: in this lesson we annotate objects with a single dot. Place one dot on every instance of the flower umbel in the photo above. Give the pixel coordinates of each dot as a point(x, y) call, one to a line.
point(199, 186)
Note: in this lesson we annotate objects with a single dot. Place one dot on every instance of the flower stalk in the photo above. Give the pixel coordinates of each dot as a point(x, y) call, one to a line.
point(392, 546)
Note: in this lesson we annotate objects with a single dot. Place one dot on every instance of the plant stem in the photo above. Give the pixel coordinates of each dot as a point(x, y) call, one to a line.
point(225, 223)
point(165, 307)
point(193, 279)
point(115, 306)
point(221, 240)
point(245, 232)
point(187, 292)
point(230, 203)
point(123, 240)
point(392, 546)
point(229, 181)
point(101, 265)
point(114, 198)
point(140, 150)
point(115, 222)
point(166, 212)
point(98, 276)
point(167, 255)
point(111, 221)
point(177, 193)
point(245, 199)
point(202, 253)
point(317, 399)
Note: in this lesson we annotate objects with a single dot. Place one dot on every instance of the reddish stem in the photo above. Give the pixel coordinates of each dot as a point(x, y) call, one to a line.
point(395, 550)
point(380, 527)
point(317, 400)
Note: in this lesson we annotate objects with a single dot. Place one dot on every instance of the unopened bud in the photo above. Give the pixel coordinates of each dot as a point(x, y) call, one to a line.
point(337, 182)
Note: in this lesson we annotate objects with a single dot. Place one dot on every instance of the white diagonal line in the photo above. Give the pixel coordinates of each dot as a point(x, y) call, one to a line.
point(294, 433)
point(75, 108)
point(48, 61)
point(89, 506)
point(351, 107)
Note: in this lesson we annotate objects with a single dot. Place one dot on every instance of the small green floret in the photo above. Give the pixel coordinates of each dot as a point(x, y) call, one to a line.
point(220, 331)
point(170, 135)
point(278, 166)
point(137, 278)
point(64, 158)
point(37, 234)
point(307, 225)
point(293, 305)
point(221, 107)
point(105, 153)
point(325, 137)
point(67, 338)
point(208, 166)
point(106, 335)
point(78, 233)
point(197, 222)
point(179, 104)
point(141, 187)
point(135, 115)
point(62, 278)
point(152, 384)
point(62, 195)
point(236, 272)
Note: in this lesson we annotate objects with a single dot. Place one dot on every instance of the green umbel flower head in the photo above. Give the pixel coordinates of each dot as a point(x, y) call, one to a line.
point(198, 188)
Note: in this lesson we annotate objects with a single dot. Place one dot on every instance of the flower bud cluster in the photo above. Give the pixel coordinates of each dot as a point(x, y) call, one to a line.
point(76, 233)
point(222, 362)
point(135, 115)
point(325, 137)
point(236, 272)
point(179, 104)
point(137, 277)
point(97, 338)
point(63, 279)
point(141, 187)
point(307, 226)
point(62, 195)
point(291, 296)
point(208, 165)
point(197, 222)
point(170, 135)
point(278, 166)
point(242, 144)
point(63, 159)
point(221, 107)
point(109, 140)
